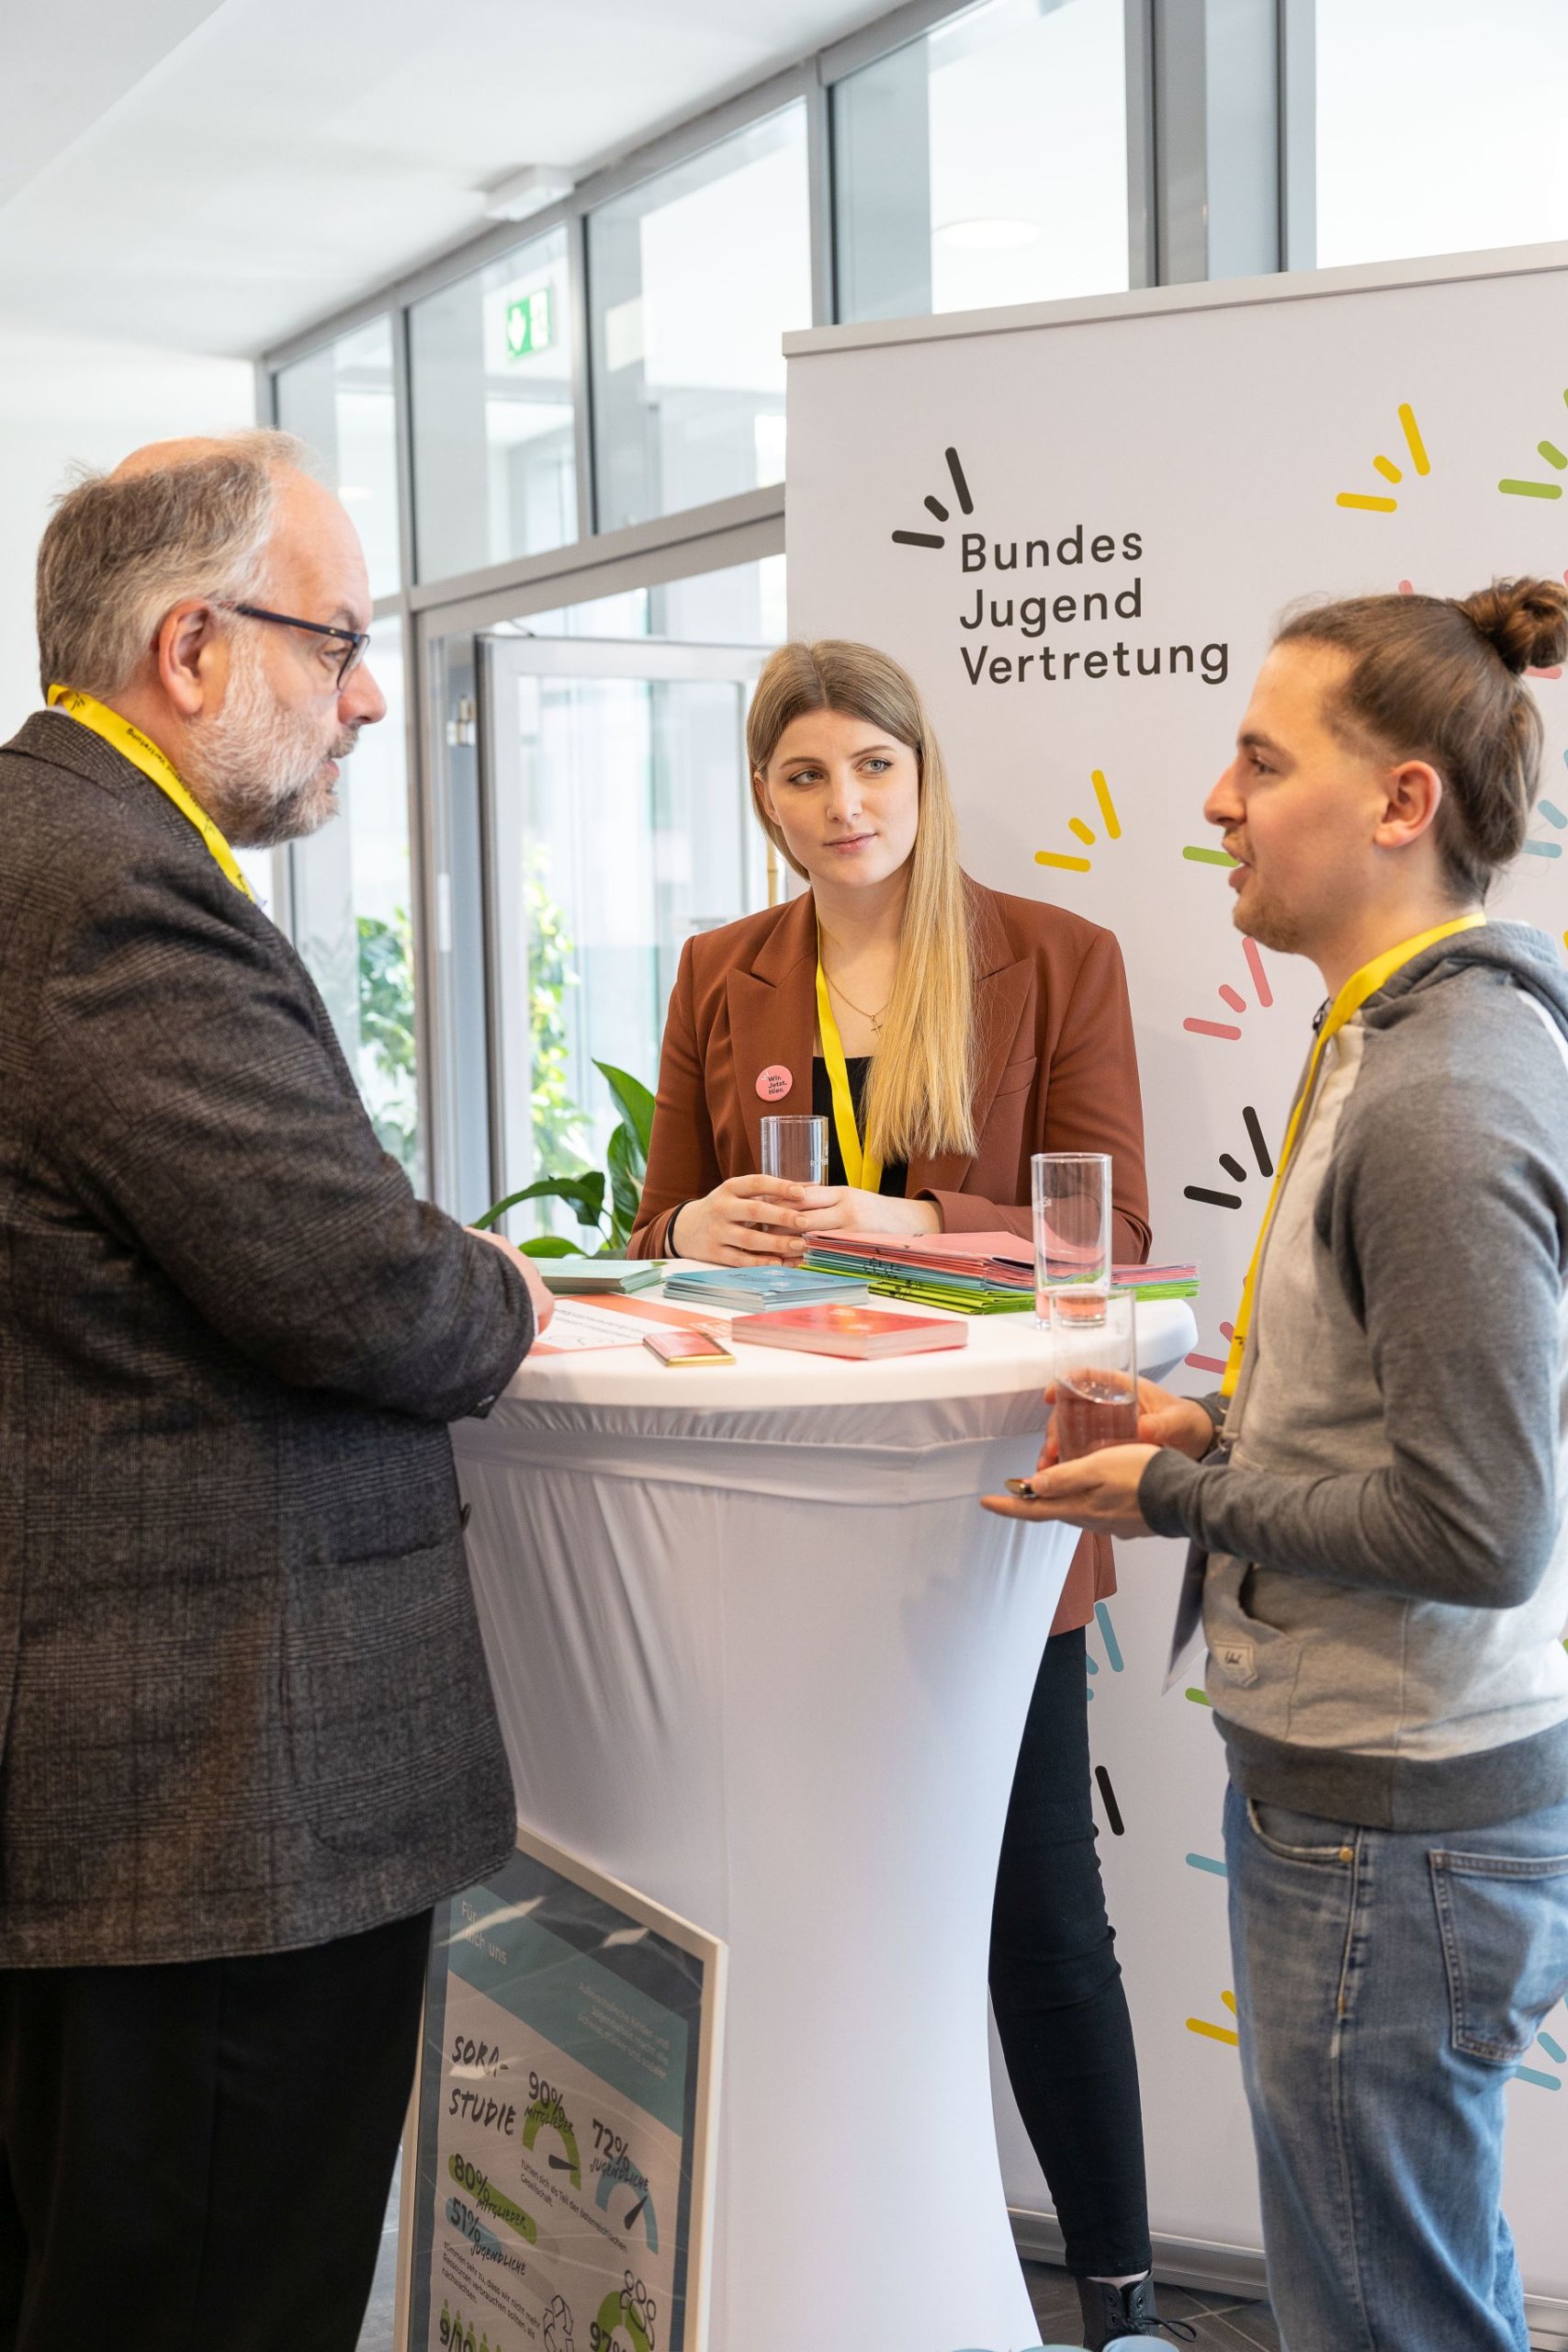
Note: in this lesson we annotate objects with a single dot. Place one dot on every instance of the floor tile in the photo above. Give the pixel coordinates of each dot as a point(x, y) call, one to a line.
point(1246, 2325)
point(1224, 2324)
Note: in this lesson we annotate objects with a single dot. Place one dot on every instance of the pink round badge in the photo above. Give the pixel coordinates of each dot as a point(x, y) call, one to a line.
point(774, 1083)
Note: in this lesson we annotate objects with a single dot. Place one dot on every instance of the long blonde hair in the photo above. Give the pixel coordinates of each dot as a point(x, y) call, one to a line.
point(921, 1099)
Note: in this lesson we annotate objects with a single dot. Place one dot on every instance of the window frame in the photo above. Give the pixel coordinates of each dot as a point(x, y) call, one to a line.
point(524, 234)
point(810, 83)
point(432, 614)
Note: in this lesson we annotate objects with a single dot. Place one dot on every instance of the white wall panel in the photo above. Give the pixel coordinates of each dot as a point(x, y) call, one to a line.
point(1215, 429)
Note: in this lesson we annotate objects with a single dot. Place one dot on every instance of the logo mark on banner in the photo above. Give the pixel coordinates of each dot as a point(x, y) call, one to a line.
point(1543, 2082)
point(1233, 1168)
point(1554, 456)
point(1556, 820)
point(1107, 1797)
point(1031, 632)
point(1109, 817)
point(935, 506)
point(1233, 998)
point(1217, 2032)
point(1201, 1362)
point(1390, 472)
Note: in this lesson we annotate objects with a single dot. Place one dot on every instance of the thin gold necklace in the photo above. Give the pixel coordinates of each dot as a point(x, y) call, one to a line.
point(875, 1018)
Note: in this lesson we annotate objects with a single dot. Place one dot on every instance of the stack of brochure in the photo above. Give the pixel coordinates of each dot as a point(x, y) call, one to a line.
point(754, 1289)
point(600, 1277)
point(975, 1273)
point(841, 1331)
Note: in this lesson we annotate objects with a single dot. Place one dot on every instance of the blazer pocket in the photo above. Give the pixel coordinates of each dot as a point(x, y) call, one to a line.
point(385, 1698)
point(1016, 1077)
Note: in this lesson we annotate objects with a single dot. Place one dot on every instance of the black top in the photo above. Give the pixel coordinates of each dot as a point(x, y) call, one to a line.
point(857, 1069)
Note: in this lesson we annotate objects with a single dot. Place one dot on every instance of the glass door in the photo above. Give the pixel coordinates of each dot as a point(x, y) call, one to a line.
point(350, 908)
point(618, 822)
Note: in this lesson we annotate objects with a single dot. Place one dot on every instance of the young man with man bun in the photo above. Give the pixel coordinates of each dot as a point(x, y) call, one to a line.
point(1376, 1499)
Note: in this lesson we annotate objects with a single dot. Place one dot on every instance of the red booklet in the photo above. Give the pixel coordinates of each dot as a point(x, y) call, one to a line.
point(850, 1331)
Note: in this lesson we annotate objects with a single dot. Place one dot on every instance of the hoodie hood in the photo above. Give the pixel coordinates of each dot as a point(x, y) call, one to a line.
point(1516, 951)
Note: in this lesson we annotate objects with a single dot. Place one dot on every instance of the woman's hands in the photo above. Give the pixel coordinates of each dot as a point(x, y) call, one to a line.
point(746, 1221)
point(1100, 1491)
point(761, 1220)
point(843, 1208)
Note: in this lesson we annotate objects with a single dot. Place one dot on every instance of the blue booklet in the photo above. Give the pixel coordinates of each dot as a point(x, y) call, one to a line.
point(756, 1288)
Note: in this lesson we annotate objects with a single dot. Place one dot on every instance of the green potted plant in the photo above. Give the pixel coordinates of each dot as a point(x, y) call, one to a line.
point(613, 1193)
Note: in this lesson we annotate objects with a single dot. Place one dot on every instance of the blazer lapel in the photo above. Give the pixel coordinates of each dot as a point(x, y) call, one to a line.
point(62, 743)
point(772, 1017)
point(1001, 991)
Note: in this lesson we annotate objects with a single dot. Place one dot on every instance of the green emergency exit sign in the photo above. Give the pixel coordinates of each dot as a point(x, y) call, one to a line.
point(531, 322)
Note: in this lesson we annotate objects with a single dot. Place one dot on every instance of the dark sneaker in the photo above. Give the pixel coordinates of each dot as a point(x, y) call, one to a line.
point(1113, 2311)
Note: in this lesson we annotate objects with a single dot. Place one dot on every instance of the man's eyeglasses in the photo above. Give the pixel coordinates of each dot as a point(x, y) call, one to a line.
point(354, 640)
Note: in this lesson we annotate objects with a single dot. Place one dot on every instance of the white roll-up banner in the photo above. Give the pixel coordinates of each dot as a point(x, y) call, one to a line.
point(1077, 527)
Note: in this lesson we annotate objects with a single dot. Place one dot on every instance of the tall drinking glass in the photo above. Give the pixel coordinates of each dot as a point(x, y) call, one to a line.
point(1072, 1222)
point(1095, 1347)
point(796, 1150)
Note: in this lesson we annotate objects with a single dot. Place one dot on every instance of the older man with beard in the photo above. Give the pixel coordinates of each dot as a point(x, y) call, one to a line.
point(247, 1739)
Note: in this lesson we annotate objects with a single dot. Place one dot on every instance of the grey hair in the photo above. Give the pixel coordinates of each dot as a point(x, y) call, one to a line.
point(122, 550)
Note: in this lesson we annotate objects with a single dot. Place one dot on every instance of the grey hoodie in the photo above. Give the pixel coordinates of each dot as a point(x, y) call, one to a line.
point(1387, 1514)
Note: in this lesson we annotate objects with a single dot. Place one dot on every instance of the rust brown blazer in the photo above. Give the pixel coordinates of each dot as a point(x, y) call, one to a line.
point(1057, 1072)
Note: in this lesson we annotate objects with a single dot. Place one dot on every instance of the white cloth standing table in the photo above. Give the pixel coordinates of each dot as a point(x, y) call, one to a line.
point(759, 1654)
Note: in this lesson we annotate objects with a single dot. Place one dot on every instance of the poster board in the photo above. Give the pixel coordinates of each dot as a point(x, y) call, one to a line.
point(1077, 527)
point(558, 2169)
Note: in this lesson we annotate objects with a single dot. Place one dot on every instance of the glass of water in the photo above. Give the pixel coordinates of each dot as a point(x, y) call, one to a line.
point(1072, 1222)
point(796, 1150)
point(1095, 1347)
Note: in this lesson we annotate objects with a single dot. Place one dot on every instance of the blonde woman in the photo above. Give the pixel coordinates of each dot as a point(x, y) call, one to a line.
point(946, 1033)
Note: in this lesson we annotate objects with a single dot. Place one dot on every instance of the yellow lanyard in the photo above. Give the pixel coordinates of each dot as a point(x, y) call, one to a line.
point(1350, 1000)
point(862, 1171)
point(143, 753)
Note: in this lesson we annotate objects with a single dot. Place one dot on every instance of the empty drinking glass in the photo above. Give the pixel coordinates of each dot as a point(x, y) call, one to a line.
point(796, 1148)
point(1072, 1222)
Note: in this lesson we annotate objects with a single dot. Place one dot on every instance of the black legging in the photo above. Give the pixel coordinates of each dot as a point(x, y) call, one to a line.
point(1056, 1986)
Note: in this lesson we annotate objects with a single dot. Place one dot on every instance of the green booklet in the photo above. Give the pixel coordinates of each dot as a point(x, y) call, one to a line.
point(571, 1277)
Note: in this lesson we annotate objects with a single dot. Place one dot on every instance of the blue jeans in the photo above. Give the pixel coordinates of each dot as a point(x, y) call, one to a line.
point(1386, 1984)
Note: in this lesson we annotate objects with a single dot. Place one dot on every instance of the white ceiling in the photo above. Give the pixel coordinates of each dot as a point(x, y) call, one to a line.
point(213, 175)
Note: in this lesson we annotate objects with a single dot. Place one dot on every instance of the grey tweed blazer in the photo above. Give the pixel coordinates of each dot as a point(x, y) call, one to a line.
point(244, 1705)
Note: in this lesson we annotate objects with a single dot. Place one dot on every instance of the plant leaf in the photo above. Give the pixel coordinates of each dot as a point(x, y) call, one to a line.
point(624, 1161)
point(551, 1244)
point(584, 1194)
point(634, 1102)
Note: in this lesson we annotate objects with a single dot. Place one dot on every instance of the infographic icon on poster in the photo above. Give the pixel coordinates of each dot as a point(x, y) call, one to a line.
point(561, 2185)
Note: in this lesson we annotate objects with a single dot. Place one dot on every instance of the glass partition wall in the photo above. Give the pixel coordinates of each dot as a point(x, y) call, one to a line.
point(1480, 156)
point(342, 402)
point(615, 822)
point(584, 413)
point(493, 414)
point(986, 164)
point(697, 276)
point(352, 891)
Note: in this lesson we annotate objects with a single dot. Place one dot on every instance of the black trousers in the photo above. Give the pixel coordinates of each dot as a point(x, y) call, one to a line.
point(1057, 1986)
point(198, 2157)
